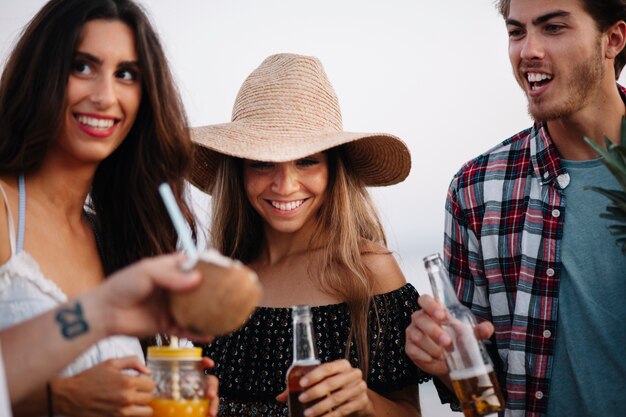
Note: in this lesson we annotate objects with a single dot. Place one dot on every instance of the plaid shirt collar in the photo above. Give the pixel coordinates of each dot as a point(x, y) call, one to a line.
point(544, 156)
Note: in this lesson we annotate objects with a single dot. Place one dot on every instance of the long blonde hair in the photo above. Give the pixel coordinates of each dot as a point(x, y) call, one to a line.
point(346, 221)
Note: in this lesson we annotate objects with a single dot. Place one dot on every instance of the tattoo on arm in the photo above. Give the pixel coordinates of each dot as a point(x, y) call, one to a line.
point(72, 322)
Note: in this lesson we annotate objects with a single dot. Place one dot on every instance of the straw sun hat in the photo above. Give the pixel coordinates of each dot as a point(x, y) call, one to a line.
point(286, 110)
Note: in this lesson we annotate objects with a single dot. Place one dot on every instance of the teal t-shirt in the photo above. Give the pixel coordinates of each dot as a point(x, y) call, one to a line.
point(589, 368)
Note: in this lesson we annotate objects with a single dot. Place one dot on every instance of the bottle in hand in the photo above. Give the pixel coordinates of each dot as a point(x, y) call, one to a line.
point(471, 370)
point(304, 358)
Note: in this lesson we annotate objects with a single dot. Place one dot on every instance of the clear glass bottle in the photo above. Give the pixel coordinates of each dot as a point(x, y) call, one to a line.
point(181, 384)
point(471, 370)
point(304, 358)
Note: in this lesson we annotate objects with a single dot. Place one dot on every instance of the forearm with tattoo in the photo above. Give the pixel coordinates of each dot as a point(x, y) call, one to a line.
point(71, 320)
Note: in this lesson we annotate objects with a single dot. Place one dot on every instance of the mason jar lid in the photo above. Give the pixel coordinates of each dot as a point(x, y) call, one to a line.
point(169, 353)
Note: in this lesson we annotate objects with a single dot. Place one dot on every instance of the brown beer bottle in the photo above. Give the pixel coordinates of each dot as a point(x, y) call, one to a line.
point(471, 370)
point(304, 358)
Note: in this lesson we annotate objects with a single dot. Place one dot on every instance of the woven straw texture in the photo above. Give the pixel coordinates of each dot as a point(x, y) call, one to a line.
point(286, 110)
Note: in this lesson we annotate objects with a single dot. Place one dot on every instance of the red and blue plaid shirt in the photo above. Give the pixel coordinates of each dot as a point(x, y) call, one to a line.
point(503, 230)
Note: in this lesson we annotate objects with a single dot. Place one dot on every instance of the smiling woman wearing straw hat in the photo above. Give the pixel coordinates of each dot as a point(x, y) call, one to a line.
point(289, 200)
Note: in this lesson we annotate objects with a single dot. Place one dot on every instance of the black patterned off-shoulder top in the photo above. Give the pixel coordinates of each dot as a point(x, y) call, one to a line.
point(252, 362)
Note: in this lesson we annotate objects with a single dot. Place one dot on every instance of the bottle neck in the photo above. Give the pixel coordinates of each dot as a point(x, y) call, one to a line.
point(303, 340)
point(440, 282)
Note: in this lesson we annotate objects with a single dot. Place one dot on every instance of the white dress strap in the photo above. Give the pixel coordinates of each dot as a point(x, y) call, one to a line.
point(10, 221)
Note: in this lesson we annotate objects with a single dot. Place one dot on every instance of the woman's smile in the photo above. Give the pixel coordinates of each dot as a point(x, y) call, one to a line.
point(286, 207)
point(96, 125)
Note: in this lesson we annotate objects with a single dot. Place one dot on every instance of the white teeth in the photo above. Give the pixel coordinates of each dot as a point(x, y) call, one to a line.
point(534, 77)
point(95, 123)
point(291, 205)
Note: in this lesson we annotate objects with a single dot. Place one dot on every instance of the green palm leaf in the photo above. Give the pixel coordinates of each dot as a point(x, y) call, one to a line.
point(615, 160)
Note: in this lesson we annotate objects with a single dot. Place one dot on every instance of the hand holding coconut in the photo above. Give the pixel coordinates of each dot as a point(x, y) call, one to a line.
point(222, 302)
point(227, 293)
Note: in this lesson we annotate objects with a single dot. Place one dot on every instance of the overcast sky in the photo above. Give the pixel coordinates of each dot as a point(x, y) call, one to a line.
point(435, 73)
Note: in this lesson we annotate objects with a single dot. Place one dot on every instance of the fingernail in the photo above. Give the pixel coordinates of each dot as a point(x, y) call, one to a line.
point(303, 397)
point(304, 381)
point(444, 339)
point(440, 314)
point(308, 412)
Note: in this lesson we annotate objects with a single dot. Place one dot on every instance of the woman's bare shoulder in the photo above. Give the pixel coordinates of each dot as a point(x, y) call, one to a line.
point(384, 270)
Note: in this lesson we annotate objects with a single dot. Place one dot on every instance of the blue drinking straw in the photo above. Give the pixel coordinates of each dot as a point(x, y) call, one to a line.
point(184, 234)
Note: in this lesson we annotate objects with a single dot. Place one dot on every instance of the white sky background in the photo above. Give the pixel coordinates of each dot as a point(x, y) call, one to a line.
point(434, 73)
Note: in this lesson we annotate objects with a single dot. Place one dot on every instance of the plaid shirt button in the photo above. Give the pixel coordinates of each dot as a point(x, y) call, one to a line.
point(556, 213)
point(563, 180)
point(538, 395)
point(547, 333)
point(550, 272)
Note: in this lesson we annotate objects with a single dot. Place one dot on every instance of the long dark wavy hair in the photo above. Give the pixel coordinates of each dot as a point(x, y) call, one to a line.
point(124, 199)
point(346, 222)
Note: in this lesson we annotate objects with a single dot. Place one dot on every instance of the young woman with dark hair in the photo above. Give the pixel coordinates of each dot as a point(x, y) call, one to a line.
point(90, 124)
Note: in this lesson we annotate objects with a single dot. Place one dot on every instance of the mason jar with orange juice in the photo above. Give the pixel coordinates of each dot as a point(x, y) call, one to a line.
point(181, 385)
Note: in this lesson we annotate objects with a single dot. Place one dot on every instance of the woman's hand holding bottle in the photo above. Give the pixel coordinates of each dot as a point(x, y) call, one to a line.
point(336, 389)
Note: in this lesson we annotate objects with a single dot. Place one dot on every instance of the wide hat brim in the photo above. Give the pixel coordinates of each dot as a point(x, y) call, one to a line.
point(379, 159)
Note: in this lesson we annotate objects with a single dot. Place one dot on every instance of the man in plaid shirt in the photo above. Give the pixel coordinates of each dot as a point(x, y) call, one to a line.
point(524, 243)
